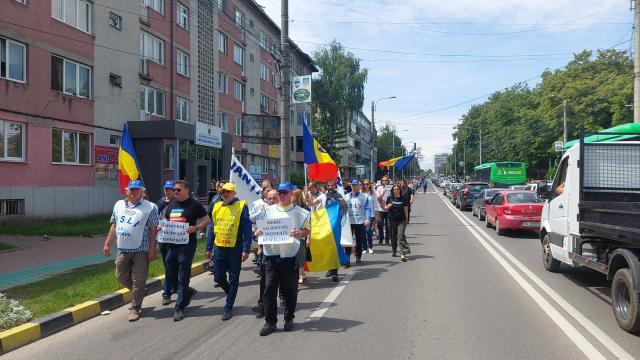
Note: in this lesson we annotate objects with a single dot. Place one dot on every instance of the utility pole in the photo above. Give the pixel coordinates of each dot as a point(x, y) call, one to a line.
point(564, 116)
point(636, 62)
point(480, 146)
point(285, 88)
point(393, 153)
point(373, 139)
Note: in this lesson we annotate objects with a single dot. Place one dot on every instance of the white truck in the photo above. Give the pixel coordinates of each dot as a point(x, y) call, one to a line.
point(591, 217)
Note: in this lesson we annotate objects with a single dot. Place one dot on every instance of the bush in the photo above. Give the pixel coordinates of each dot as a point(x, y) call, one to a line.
point(12, 313)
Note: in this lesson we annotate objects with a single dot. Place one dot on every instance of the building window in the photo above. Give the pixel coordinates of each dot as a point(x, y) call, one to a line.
point(238, 90)
point(70, 147)
point(299, 146)
point(263, 41)
point(183, 63)
point(12, 60)
point(114, 140)
point(222, 82)
point(264, 71)
point(183, 16)
point(264, 103)
point(265, 165)
point(222, 4)
point(238, 127)
point(115, 80)
point(251, 58)
point(274, 78)
point(182, 105)
point(239, 18)
point(169, 156)
point(23, 2)
point(238, 55)
point(157, 5)
point(70, 77)
point(76, 13)
point(151, 48)
point(223, 120)
point(11, 140)
point(222, 43)
point(275, 107)
point(115, 21)
point(151, 100)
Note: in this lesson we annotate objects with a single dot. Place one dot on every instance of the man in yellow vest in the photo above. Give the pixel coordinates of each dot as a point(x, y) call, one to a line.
point(232, 236)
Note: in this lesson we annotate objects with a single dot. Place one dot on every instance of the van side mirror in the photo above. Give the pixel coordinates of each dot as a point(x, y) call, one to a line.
point(543, 190)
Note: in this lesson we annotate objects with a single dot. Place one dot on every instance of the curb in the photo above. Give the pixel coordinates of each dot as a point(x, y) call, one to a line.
point(48, 325)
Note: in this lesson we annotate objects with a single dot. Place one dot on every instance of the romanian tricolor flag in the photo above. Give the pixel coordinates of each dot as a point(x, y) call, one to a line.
point(399, 162)
point(319, 164)
point(128, 166)
point(326, 252)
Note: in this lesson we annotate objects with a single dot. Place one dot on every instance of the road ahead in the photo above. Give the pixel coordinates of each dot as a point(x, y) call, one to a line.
point(466, 293)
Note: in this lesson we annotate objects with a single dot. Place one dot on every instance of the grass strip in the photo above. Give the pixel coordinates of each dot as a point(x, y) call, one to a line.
point(93, 225)
point(61, 291)
point(5, 246)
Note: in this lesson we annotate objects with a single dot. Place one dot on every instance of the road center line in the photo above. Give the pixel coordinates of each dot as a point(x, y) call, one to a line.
point(592, 328)
point(331, 298)
point(574, 335)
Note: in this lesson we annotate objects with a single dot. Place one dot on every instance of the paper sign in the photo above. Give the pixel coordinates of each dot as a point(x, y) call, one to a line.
point(173, 232)
point(275, 231)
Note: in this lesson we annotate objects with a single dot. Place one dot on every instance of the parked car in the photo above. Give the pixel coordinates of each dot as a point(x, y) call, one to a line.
point(514, 209)
point(477, 208)
point(532, 187)
point(517, 187)
point(468, 193)
point(453, 192)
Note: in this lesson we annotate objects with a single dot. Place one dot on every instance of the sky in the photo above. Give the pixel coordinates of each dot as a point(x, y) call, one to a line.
point(441, 57)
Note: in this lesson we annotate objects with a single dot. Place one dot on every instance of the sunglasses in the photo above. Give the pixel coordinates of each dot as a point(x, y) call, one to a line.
point(283, 192)
point(177, 189)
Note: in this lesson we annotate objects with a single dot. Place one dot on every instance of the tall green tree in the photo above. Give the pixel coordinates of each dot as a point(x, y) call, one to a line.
point(338, 94)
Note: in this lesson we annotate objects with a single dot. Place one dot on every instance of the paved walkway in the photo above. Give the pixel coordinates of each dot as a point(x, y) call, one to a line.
point(36, 258)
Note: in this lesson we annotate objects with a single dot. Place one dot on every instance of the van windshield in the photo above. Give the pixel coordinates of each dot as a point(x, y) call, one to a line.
point(523, 198)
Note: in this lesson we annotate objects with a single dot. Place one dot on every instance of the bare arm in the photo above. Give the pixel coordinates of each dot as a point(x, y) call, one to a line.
point(111, 237)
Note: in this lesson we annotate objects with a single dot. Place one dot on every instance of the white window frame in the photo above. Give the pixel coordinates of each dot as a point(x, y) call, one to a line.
point(238, 127)
point(183, 16)
point(3, 155)
point(265, 165)
point(180, 104)
point(238, 88)
point(264, 102)
point(157, 5)
point(7, 42)
point(238, 18)
point(239, 51)
point(223, 120)
point(274, 78)
point(222, 42)
point(183, 63)
point(264, 71)
point(222, 80)
point(77, 149)
point(263, 41)
point(62, 15)
point(145, 106)
point(77, 85)
point(118, 21)
point(157, 47)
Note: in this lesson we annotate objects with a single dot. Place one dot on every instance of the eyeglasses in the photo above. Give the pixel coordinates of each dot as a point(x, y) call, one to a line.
point(177, 189)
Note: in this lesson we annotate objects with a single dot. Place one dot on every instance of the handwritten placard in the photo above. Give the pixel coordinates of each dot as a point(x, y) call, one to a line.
point(275, 231)
point(173, 232)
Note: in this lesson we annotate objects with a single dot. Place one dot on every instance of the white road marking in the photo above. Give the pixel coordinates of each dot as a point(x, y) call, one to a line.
point(331, 298)
point(592, 328)
point(574, 335)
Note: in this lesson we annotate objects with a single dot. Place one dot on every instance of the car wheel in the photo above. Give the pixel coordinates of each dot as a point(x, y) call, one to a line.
point(486, 221)
point(499, 230)
point(550, 264)
point(481, 216)
point(473, 211)
point(625, 301)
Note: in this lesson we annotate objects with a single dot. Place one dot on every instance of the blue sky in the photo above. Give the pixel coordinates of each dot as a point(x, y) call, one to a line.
point(434, 55)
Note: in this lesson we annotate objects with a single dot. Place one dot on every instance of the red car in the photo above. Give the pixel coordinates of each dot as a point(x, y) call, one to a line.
point(514, 209)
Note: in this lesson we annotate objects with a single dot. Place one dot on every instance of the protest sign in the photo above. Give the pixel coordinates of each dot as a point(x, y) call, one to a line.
point(275, 231)
point(173, 232)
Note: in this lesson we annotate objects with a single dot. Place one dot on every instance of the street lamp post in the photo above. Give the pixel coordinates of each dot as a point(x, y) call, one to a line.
point(373, 126)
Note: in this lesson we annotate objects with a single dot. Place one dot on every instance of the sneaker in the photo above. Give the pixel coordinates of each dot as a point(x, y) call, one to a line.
point(288, 325)
point(166, 301)
point(394, 255)
point(227, 315)
point(267, 329)
point(329, 274)
point(178, 315)
point(358, 260)
point(301, 280)
point(192, 293)
point(370, 251)
point(334, 277)
point(134, 315)
point(404, 258)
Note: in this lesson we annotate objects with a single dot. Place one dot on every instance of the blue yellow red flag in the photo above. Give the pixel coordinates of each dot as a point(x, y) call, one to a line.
point(326, 227)
point(320, 165)
point(128, 166)
point(399, 162)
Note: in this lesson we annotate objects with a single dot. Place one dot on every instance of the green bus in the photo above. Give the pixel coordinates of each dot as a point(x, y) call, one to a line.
point(501, 174)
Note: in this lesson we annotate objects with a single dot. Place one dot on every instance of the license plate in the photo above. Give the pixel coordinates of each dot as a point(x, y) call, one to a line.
point(531, 223)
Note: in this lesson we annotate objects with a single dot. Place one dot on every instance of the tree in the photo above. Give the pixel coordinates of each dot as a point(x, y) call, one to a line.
point(338, 96)
point(389, 145)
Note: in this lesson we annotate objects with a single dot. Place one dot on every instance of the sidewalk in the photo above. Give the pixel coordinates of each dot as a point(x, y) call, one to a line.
point(36, 259)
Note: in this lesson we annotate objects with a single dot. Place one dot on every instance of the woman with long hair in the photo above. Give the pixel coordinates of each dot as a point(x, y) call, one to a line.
point(398, 208)
point(298, 199)
point(367, 189)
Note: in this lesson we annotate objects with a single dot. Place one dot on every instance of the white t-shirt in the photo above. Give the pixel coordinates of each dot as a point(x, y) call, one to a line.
point(301, 220)
point(320, 199)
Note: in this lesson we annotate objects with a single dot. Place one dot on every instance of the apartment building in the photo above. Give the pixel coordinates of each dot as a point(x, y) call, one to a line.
point(356, 157)
point(439, 163)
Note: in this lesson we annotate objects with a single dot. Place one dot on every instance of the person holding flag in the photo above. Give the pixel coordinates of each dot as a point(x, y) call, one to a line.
point(128, 166)
point(359, 217)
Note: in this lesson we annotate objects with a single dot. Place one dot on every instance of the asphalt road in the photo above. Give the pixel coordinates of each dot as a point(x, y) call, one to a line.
point(466, 293)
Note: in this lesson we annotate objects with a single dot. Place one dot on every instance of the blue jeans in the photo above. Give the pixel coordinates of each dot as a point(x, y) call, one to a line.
point(368, 232)
point(170, 284)
point(228, 261)
point(177, 270)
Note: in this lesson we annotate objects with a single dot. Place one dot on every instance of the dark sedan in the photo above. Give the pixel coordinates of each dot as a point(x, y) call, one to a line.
point(477, 208)
point(468, 193)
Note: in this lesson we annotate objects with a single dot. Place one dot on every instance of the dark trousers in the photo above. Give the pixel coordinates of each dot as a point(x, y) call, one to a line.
point(228, 262)
point(358, 231)
point(177, 270)
point(283, 274)
point(169, 286)
point(383, 227)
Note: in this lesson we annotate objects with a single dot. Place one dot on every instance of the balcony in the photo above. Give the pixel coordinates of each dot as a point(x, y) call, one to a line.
point(261, 129)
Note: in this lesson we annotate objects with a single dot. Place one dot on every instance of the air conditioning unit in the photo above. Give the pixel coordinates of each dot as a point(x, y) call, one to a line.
point(144, 116)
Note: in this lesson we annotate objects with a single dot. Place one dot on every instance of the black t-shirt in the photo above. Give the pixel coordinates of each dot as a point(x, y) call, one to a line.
point(186, 211)
point(406, 193)
point(162, 205)
point(396, 213)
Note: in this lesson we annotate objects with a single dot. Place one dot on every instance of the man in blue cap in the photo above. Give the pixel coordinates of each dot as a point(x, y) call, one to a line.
point(359, 215)
point(168, 287)
point(169, 195)
point(280, 268)
point(134, 224)
point(232, 237)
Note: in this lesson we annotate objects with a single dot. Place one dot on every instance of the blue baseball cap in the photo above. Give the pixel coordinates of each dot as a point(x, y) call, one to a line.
point(135, 184)
point(285, 186)
point(355, 182)
point(169, 184)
